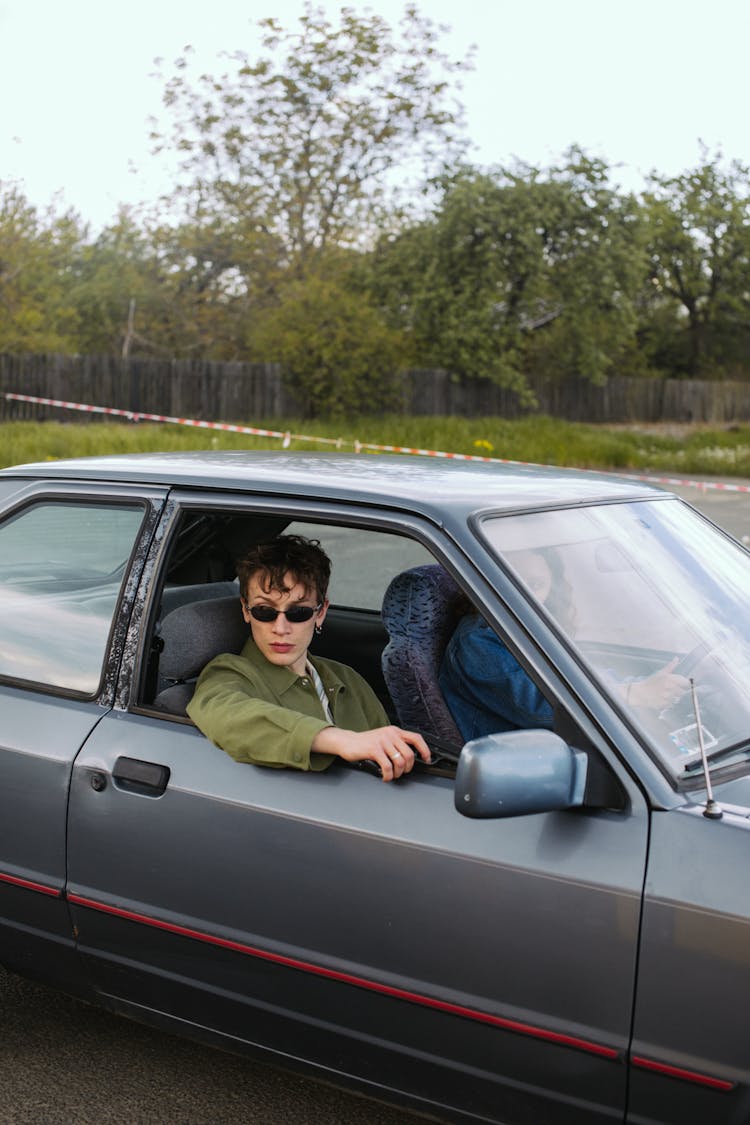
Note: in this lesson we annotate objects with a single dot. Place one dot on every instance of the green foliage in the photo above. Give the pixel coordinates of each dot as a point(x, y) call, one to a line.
point(160, 290)
point(286, 160)
point(541, 440)
point(301, 141)
point(36, 258)
point(120, 292)
point(698, 230)
point(323, 219)
point(519, 270)
point(337, 353)
point(222, 273)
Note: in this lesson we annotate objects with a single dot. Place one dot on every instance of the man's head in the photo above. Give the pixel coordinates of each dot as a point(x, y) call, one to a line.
point(284, 562)
point(283, 587)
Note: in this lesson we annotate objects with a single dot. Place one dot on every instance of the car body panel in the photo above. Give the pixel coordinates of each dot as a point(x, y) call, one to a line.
point(694, 969)
point(421, 484)
point(470, 943)
point(38, 745)
point(42, 730)
point(575, 966)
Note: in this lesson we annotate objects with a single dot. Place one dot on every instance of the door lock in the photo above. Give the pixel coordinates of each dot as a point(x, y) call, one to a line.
point(98, 782)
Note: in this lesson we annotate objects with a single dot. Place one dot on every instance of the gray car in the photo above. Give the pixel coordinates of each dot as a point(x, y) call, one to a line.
point(545, 925)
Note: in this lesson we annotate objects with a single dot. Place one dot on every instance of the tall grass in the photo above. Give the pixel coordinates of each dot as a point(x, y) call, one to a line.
point(543, 440)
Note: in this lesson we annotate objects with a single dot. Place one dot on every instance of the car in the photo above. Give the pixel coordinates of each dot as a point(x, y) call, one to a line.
point(543, 925)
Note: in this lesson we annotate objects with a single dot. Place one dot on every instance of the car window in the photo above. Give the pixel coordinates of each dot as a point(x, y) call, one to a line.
point(198, 612)
point(363, 561)
point(61, 569)
point(653, 597)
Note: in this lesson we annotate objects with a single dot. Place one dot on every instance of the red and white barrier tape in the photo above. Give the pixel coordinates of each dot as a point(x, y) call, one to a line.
point(287, 437)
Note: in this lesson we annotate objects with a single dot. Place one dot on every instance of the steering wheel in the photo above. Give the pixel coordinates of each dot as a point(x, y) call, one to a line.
point(682, 712)
point(695, 656)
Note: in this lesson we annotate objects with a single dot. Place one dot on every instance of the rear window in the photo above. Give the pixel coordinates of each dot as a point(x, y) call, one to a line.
point(363, 561)
point(62, 566)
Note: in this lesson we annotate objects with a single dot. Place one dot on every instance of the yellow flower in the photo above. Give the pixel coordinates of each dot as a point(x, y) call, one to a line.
point(487, 446)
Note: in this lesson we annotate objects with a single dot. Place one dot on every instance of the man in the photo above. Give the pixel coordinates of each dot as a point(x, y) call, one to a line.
point(274, 704)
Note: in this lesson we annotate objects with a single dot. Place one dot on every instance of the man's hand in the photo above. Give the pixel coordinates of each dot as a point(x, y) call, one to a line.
point(659, 691)
point(391, 747)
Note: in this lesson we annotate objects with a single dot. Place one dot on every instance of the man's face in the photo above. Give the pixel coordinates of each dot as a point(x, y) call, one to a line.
point(535, 572)
point(281, 641)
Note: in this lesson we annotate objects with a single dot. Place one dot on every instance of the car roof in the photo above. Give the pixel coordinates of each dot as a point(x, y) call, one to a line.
point(414, 482)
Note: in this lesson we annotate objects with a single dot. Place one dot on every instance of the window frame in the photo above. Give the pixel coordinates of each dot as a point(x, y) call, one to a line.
point(150, 501)
point(588, 718)
point(445, 549)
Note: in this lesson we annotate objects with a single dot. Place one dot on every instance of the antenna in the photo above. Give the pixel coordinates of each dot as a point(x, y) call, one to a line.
point(712, 810)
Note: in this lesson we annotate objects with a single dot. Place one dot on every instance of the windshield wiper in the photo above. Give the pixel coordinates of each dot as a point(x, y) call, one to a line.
point(696, 763)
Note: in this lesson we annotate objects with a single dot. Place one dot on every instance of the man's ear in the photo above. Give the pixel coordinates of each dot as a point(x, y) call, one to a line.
point(321, 616)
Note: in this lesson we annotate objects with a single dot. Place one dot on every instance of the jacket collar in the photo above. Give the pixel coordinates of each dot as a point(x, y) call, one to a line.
point(279, 677)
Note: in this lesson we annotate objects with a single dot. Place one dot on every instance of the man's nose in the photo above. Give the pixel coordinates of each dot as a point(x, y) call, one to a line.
point(281, 625)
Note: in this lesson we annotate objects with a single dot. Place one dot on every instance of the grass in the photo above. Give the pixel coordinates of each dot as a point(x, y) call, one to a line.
point(548, 441)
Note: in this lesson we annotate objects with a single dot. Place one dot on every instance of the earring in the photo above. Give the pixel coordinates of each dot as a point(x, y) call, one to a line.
point(318, 629)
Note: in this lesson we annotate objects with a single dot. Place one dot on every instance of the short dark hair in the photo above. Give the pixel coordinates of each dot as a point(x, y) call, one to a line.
point(302, 558)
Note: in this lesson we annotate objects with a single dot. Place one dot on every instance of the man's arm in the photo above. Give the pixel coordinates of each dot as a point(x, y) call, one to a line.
point(226, 708)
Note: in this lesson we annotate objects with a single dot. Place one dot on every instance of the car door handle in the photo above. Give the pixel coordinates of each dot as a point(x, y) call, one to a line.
point(147, 778)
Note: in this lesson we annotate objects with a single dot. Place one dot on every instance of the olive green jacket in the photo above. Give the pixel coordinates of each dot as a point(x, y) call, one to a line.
point(266, 714)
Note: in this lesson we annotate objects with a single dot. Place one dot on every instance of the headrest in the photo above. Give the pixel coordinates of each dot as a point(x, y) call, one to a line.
point(422, 602)
point(174, 596)
point(420, 610)
point(195, 633)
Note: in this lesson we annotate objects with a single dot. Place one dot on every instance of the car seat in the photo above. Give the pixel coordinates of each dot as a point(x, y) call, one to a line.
point(421, 608)
point(191, 635)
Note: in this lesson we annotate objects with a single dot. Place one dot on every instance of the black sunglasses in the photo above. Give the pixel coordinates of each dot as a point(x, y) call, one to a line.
point(295, 615)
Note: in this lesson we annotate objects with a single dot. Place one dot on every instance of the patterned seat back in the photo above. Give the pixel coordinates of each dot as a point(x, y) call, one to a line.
point(420, 610)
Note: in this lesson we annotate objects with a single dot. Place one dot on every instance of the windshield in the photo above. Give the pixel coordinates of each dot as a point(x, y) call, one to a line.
point(657, 602)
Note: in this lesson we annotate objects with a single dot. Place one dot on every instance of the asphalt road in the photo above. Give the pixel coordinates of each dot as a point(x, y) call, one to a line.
point(63, 1062)
point(730, 510)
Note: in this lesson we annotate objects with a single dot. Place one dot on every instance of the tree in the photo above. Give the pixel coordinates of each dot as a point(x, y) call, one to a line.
point(118, 289)
point(518, 269)
point(595, 263)
point(154, 289)
point(337, 353)
point(698, 227)
point(37, 253)
point(221, 274)
point(301, 144)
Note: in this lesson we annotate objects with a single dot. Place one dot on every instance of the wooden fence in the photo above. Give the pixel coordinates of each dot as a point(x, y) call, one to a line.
point(239, 392)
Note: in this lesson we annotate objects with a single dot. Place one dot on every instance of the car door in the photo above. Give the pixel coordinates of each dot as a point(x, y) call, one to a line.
point(690, 1056)
point(484, 967)
point(66, 555)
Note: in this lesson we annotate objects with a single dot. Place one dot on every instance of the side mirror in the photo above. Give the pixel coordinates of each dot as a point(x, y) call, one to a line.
point(517, 773)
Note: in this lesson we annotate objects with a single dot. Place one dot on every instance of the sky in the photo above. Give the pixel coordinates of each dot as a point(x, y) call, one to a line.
point(641, 85)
